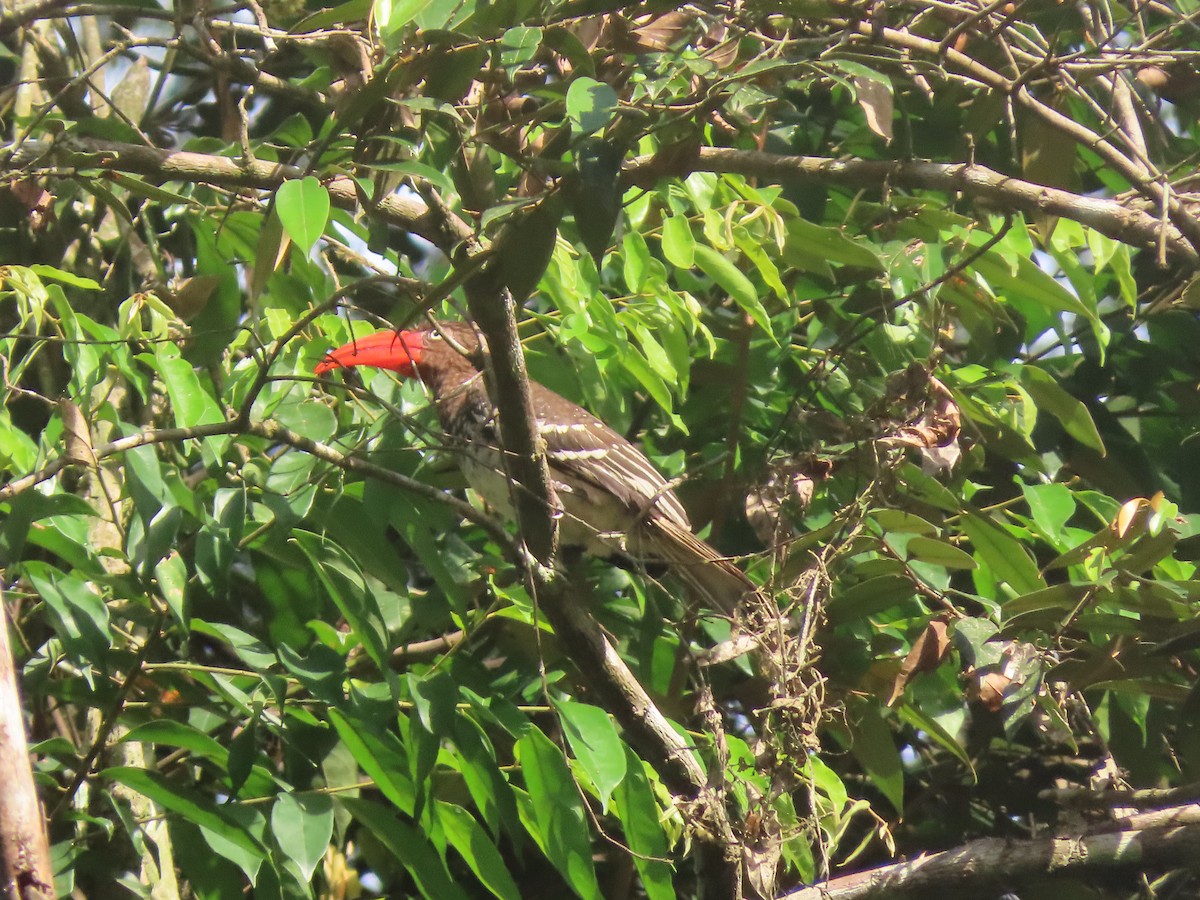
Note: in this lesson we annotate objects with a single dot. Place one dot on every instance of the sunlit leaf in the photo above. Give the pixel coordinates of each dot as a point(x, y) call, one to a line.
point(593, 738)
point(303, 208)
point(590, 104)
point(558, 811)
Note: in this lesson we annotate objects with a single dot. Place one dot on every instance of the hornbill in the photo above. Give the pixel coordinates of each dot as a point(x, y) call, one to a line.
point(614, 502)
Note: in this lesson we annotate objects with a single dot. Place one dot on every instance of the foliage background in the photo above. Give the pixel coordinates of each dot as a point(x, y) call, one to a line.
point(916, 279)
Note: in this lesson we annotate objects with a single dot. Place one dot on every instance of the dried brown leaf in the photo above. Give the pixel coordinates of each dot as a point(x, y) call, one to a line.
point(926, 654)
point(876, 102)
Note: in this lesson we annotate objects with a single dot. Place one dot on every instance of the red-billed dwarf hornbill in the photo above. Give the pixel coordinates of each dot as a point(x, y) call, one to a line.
point(614, 502)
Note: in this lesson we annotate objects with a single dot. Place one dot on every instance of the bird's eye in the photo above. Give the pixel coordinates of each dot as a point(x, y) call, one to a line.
point(434, 336)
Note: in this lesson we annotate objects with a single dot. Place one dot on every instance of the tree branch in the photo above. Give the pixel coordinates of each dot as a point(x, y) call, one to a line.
point(650, 732)
point(201, 168)
point(1156, 190)
point(1109, 217)
point(1169, 837)
point(1112, 218)
point(534, 501)
point(24, 849)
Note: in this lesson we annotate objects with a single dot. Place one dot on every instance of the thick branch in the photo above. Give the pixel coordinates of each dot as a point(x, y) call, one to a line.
point(160, 166)
point(1109, 217)
point(525, 454)
point(24, 850)
point(1168, 837)
point(14, 16)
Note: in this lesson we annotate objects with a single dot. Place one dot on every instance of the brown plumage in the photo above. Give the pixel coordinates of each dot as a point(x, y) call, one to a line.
point(614, 502)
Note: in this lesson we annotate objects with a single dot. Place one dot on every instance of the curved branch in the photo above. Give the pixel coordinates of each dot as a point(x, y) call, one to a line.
point(273, 431)
point(1168, 837)
point(650, 732)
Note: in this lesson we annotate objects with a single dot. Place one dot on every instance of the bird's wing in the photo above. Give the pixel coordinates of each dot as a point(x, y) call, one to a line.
point(581, 446)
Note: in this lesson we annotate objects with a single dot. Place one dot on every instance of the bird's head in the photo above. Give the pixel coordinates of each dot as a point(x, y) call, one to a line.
point(406, 352)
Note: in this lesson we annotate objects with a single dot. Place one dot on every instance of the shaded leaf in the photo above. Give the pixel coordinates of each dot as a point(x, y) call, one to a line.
point(1005, 555)
point(558, 812)
point(302, 825)
point(1072, 413)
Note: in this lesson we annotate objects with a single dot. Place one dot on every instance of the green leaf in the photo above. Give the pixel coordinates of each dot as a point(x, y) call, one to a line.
point(418, 171)
point(1023, 284)
point(590, 104)
point(451, 73)
point(434, 696)
point(194, 807)
point(869, 597)
point(392, 15)
point(829, 244)
point(409, 846)
point(248, 648)
point(637, 261)
point(380, 755)
point(303, 208)
point(939, 553)
point(636, 365)
point(1063, 596)
point(827, 782)
point(416, 520)
point(492, 794)
point(68, 278)
point(753, 250)
point(315, 421)
point(1071, 412)
point(345, 585)
point(528, 244)
point(678, 243)
point(79, 611)
point(520, 44)
point(558, 812)
point(1051, 506)
point(641, 820)
point(594, 739)
point(302, 825)
point(171, 575)
point(594, 194)
point(919, 720)
point(875, 748)
point(1005, 555)
point(730, 279)
point(191, 404)
point(898, 520)
point(442, 14)
point(473, 845)
point(177, 734)
point(252, 821)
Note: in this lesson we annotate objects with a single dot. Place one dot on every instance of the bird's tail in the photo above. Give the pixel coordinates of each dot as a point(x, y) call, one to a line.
point(712, 578)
